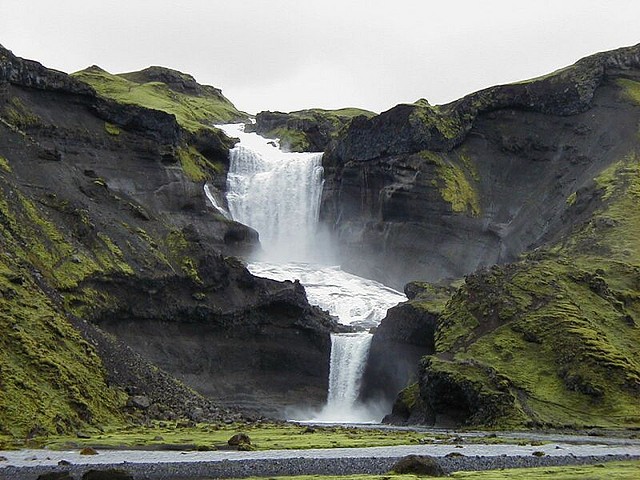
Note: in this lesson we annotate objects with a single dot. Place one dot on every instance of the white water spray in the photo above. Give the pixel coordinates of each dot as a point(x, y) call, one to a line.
point(278, 194)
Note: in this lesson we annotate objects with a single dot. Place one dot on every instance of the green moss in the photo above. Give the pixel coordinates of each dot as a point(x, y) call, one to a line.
point(4, 164)
point(17, 114)
point(453, 184)
point(190, 270)
point(196, 166)
point(630, 89)
point(52, 381)
point(192, 112)
point(559, 329)
point(290, 140)
point(571, 199)
point(263, 436)
point(438, 119)
point(111, 129)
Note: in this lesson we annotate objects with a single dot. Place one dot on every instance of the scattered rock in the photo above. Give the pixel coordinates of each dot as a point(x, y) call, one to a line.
point(80, 434)
point(3, 459)
point(239, 439)
point(88, 451)
point(111, 474)
point(419, 465)
point(139, 401)
point(454, 455)
point(309, 430)
point(538, 453)
point(197, 414)
point(64, 463)
point(158, 438)
point(55, 476)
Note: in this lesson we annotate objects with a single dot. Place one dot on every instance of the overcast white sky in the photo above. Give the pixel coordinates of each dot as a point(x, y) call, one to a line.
point(293, 54)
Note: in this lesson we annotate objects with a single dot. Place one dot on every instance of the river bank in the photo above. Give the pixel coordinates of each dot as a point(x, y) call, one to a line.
point(155, 465)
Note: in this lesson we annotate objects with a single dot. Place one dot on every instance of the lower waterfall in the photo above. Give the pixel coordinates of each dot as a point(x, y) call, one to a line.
point(278, 194)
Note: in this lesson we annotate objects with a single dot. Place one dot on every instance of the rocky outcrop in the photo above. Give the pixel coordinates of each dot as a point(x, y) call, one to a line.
point(422, 192)
point(109, 198)
point(305, 130)
point(403, 337)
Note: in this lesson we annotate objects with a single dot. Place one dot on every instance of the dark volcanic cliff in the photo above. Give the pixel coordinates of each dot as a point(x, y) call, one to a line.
point(305, 130)
point(541, 178)
point(103, 217)
point(422, 192)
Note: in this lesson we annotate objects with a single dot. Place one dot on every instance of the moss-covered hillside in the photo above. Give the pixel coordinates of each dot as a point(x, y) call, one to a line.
point(306, 130)
point(118, 285)
point(551, 340)
point(194, 106)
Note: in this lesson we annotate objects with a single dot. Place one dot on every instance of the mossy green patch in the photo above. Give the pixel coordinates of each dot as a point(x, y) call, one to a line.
point(603, 471)
point(453, 182)
point(435, 119)
point(18, 115)
point(630, 89)
point(111, 129)
point(51, 380)
point(196, 166)
point(4, 164)
point(558, 331)
point(290, 140)
point(191, 111)
point(263, 436)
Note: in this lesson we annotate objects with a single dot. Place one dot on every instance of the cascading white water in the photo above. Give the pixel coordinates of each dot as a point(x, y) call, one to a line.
point(278, 194)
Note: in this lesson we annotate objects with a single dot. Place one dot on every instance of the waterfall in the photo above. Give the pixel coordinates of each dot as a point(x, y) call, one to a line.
point(278, 194)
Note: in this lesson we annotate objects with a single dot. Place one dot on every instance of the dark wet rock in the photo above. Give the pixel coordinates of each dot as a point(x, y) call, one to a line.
point(422, 465)
point(169, 287)
point(304, 130)
point(239, 439)
point(109, 474)
point(404, 336)
point(55, 476)
point(431, 193)
point(139, 401)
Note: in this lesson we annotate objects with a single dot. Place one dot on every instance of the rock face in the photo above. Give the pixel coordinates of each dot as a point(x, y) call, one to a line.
point(109, 198)
point(549, 167)
point(430, 193)
point(305, 130)
point(404, 336)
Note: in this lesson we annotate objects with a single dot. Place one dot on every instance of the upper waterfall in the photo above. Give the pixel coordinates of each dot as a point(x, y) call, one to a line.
point(277, 193)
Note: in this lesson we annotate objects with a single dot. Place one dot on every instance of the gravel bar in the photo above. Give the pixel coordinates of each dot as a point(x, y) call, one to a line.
point(26, 465)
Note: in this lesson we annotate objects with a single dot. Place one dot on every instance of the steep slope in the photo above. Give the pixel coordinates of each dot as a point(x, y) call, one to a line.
point(104, 218)
point(552, 339)
point(429, 193)
point(305, 130)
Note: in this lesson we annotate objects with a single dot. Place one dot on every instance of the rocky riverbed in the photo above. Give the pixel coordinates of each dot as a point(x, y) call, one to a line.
point(151, 465)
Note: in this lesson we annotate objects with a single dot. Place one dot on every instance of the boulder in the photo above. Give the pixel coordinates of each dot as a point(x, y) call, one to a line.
point(422, 465)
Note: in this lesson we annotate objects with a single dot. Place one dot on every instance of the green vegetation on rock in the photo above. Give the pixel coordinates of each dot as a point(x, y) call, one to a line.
point(454, 184)
point(552, 340)
point(193, 112)
point(305, 130)
point(111, 129)
point(52, 380)
point(4, 164)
